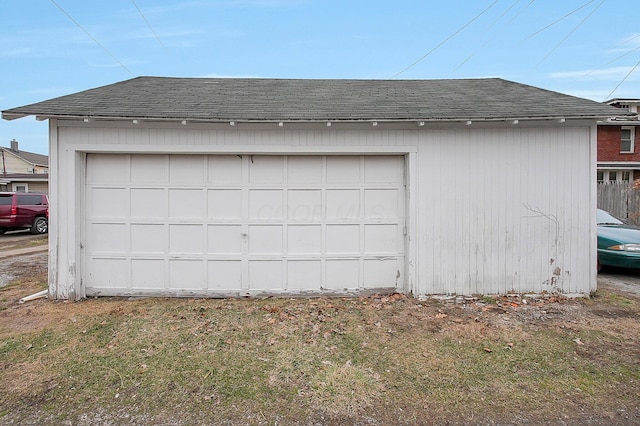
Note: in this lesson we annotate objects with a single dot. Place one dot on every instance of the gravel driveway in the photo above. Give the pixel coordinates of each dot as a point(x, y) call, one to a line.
point(625, 280)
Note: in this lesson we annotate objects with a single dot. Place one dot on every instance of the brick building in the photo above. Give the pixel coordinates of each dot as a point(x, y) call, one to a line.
point(619, 144)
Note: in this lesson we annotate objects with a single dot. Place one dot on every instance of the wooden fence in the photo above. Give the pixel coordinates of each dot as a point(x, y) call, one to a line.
point(621, 200)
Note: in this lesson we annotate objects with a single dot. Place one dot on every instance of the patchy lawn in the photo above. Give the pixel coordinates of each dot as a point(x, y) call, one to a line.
point(377, 360)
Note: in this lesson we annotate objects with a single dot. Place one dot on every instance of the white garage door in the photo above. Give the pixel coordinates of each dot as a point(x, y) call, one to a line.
point(242, 224)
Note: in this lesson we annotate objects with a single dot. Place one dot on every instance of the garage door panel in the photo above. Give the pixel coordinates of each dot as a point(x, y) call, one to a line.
point(266, 275)
point(147, 274)
point(304, 239)
point(109, 273)
point(383, 169)
point(343, 204)
point(342, 274)
point(187, 170)
point(224, 275)
point(148, 239)
point(109, 202)
point(266, 169)
point(304, 169)
point(186, 239)
point(108, 168)
point(304, 274)
point(224, 203)
point(224, 239)
point(266, 204)
point(149, 169)
point(149, 203)
point(225, 169)
point(343, 170)
point(109, 238)
point(381, 273)
point(265, 239)
point(186, 274)
point(382, 203)
point(186, 203)
point(381, 239)
point(304, 205)
point(343, 239)
point(243, 223)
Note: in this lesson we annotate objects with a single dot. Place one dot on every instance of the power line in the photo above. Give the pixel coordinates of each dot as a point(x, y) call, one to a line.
point(148, 24)
point(569, 34)
point(92, 37)
point(446, 40)
point(558, 20)
point(623, 80)
point(611, 61)
point(488, 28)
point(520, 13)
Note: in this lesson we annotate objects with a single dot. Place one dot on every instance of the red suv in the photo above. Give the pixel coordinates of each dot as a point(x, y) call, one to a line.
point(22, 210)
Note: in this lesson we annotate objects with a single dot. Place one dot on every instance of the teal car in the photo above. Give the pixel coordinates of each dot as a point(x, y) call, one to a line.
point(618, 244)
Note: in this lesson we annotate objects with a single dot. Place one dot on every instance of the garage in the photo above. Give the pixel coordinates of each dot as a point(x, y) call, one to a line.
point(236, 187)
point(243, 224)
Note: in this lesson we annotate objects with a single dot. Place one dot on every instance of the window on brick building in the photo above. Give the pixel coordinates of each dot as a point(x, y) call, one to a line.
point(613, 176)
point(626, 139)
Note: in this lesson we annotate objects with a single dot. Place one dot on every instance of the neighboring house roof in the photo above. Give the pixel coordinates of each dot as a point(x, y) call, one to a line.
point(242, 99)
point(26, 176)
point(622, 101)
point(23, 177)
point(618, 165)
point(29, 157)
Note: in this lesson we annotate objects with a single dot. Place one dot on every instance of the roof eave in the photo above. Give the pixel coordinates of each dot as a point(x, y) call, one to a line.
point(13, 115)
point(47, 116)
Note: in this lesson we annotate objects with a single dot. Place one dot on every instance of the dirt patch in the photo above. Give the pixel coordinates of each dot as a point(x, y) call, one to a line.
point(23, 268)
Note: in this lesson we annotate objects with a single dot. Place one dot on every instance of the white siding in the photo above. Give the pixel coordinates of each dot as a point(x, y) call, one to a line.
point(510, 212)
point(489, 210)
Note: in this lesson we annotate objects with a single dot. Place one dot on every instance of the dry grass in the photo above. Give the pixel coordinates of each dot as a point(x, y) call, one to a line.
point(378, 360)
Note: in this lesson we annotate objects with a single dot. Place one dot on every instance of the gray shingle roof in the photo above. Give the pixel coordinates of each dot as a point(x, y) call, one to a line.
point(227, 99)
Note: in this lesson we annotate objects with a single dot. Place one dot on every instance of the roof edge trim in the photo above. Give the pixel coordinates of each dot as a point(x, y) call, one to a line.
point(41, 117)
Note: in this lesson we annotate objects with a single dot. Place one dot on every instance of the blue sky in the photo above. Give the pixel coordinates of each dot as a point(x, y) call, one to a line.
point(50, 48)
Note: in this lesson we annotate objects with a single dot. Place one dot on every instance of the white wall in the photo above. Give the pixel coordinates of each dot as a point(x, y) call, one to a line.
point(507, 210)
point(490, 210)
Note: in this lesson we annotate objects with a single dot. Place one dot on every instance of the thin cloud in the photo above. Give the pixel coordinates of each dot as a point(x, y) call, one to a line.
point(632, 39)
point(627, 44)
point(614, 73)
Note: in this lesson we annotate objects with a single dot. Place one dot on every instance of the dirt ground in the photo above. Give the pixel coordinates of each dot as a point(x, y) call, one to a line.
point(23, 266)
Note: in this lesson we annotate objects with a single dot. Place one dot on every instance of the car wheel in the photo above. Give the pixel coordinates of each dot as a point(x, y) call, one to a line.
point(2, 231)
point(40, 226)
point(599, 266)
